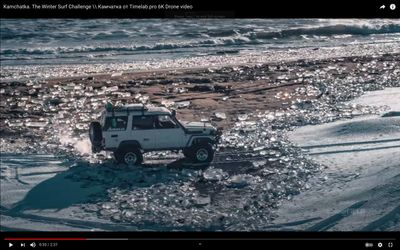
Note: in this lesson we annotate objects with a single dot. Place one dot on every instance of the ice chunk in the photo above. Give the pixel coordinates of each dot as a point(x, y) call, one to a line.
point(112, 89)
point(37, 124)
point(241, 180)
point(249, 126)
point(242, 117)
point(258, 164)
point(108, 205)
point(183, 104)
point(167, 103)
point(202, 200)
point(143, 98)
point(214, 174)
point(220, 115)
point(258, 148)
point(129, 213)
point(81, 126)
point(16, 123)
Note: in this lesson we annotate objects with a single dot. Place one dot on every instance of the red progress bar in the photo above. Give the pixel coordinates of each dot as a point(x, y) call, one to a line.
point(38, 239)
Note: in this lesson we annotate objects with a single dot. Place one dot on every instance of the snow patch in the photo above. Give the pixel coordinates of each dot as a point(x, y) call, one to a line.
point(362, 158)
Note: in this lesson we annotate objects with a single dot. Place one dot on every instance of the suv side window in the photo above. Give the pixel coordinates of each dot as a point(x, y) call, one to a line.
point(142, 122)
point(116, 123)
point(165, 121)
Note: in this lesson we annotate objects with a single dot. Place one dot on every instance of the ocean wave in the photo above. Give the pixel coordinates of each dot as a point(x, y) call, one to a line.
point(122, 39)
point(338, 30)
point(238, 40)
point(83, 49)
point(331, 30)
point(235, 40)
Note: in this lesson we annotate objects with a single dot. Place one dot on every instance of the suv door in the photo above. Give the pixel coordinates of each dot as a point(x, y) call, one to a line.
point(168, 133)
point(143, 129)
point(114, 129)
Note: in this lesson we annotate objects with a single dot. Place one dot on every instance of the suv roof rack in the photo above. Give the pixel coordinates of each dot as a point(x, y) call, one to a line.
point(128, 107)
point(131, 107)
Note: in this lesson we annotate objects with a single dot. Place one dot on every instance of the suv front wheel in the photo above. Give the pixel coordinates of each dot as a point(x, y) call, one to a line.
point(201, 153)
point(131, 156)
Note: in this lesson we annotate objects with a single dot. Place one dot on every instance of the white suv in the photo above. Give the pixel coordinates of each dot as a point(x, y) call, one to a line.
point(130, 130)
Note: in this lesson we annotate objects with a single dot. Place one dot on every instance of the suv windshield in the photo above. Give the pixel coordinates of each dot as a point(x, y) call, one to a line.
point(165, 121)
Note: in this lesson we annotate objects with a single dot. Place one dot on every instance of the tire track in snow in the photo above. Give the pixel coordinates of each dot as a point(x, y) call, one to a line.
point(353, 150)
point(349, 143)
point(90, 225)
point(331, 221)
point(392, 215)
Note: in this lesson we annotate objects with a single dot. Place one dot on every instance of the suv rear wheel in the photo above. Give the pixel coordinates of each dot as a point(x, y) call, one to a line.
point(186, 152)
point(96, 136)
point(131, 156)
point(201, 153)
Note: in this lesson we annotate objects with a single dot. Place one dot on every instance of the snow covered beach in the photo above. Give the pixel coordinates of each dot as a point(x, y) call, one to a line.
point(361, 182)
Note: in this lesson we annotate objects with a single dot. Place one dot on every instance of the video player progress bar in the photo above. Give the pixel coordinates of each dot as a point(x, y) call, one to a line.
point(59, 239)
point(263, 239)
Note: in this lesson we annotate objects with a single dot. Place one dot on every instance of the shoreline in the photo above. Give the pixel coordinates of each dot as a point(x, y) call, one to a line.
point(216, 62)
point(200, 68)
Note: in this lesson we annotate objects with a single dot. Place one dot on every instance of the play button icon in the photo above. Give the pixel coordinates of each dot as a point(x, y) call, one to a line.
point(10, 244)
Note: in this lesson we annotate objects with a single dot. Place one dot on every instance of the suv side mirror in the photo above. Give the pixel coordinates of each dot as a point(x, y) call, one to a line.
point(173, 112)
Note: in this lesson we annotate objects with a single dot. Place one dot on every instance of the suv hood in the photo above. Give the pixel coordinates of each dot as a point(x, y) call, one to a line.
point(198, 126)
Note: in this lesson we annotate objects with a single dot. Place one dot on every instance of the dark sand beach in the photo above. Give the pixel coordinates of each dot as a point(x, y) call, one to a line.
point(196, 93)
